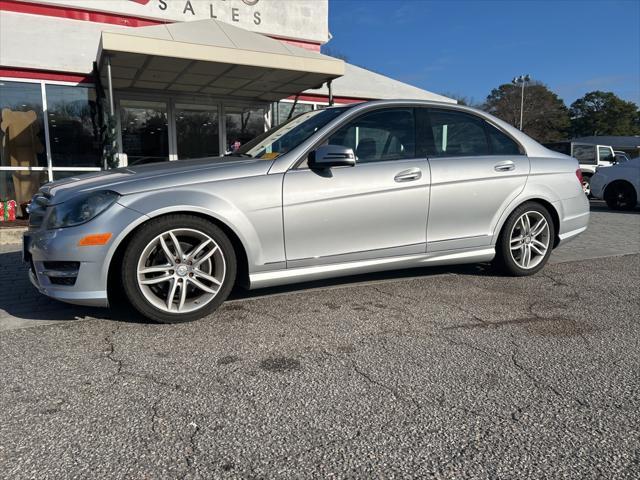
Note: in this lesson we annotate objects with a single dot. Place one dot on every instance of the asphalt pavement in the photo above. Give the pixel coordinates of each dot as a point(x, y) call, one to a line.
point(438, 373)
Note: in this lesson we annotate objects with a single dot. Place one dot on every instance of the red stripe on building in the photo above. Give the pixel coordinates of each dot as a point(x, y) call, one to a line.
point(18, 6)
point(33, 74)
point(76, 14)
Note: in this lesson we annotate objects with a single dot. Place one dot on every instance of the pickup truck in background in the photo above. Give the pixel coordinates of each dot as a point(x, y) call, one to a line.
point(589, 157)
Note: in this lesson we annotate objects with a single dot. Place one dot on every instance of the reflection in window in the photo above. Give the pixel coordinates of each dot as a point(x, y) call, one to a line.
point(243, 124)
point(606, 155)
point(501, 143)
point(379, 135)
point(286, 110)
point(21, 139)
point(145, 132)
point(73, 129)
point(14, 183)
point(585, 154)
point(457, 134)
point(197, 131)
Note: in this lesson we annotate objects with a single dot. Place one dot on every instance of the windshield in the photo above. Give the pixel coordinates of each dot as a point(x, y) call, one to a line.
point(283, 138)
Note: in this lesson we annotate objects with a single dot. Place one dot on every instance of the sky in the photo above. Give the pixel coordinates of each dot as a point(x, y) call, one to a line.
point(466, 48)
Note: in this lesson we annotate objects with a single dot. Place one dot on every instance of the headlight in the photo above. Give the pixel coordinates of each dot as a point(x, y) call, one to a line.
point(80, 209)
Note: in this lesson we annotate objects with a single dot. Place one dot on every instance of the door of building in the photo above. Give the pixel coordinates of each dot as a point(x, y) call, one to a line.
point(144, 126)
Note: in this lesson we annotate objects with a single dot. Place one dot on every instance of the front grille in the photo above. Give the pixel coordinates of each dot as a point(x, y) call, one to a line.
point(37, 209)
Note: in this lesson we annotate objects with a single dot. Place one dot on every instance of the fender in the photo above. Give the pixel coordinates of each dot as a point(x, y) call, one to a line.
point(255, 219)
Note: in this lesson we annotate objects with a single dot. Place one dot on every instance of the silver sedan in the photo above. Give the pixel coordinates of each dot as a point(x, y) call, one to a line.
point(376, 186)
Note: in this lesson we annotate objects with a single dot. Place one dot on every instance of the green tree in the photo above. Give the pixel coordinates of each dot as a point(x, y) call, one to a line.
point(604, 113)
point(545, 116)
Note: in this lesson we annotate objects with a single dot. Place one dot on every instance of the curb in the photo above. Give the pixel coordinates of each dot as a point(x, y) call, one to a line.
point(11, 235)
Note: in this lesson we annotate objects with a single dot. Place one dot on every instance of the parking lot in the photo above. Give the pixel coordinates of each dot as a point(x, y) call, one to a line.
point(444, 373)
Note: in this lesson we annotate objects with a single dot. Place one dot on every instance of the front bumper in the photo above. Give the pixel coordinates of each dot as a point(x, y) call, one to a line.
point(90, 265)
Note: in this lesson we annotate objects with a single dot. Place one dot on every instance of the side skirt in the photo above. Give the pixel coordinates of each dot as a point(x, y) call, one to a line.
point(319, 272)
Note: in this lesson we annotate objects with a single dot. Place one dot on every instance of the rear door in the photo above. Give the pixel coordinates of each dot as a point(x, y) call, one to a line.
point(476, 172)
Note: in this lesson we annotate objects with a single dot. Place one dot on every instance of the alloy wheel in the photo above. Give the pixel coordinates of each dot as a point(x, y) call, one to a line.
point(181, 270)
point(529, 240)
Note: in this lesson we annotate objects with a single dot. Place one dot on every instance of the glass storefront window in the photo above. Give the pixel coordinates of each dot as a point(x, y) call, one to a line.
point(21, 185)
point(243, 124)
point(73, 129)
point(22, 139)
point(286, 110)
point(197, 131)
point(145, 133)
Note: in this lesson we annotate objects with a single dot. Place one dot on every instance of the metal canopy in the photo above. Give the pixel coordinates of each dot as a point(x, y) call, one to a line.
point(214, 58)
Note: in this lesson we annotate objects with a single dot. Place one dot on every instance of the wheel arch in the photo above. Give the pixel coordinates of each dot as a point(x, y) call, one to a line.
point(242, 276)
point(555, 217)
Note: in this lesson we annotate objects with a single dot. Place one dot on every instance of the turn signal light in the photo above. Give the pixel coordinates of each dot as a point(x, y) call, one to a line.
point(94, 240)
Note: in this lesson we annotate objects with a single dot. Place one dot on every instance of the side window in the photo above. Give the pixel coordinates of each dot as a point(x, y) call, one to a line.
point(379, 135)
point(606, 155)
point(501, 143)
point(456, 134)
point(585, 154)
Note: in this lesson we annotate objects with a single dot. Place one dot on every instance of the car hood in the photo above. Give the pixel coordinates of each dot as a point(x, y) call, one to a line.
point(155, 176)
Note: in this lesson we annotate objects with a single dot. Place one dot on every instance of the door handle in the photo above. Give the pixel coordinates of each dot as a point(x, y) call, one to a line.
point(408, 175)
point(504, 166)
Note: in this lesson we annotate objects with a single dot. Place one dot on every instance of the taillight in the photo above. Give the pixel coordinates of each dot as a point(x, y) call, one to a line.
point(579, 175)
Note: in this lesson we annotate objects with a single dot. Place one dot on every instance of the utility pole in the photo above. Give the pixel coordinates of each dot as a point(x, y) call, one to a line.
point(522, 80)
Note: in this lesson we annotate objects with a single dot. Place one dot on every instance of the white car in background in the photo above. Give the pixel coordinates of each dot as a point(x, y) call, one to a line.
point(618, 185)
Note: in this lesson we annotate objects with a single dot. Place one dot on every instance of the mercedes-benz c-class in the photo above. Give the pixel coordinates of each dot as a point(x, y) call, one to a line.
point(344, 190)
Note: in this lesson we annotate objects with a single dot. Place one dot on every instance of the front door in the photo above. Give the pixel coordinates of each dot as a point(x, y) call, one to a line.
point(374, 209)
point(476, 171)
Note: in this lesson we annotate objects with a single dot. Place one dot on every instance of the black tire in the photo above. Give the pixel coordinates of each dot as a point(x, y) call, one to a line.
point(586, 184)
point(144, 236)
point(620, 196)
point(504, 260)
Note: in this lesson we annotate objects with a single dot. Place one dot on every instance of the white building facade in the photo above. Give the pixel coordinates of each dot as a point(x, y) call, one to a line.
point(159, 80)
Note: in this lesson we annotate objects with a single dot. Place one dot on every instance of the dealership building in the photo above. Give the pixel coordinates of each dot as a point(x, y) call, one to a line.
point(91, 84)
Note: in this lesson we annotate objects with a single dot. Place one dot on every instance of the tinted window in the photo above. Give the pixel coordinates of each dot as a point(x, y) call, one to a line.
point(379, 135)
point(456, 134)
point(585, 154)
point(606, 155)
point(501, 143)
point(73, 126)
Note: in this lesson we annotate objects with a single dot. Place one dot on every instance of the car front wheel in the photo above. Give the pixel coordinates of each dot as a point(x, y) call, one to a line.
point(178, 268)
point(526, 240)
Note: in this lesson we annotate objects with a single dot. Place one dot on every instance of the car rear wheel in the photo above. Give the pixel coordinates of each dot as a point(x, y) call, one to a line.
point(526, 240)
point(178, 268)
point(620, 196)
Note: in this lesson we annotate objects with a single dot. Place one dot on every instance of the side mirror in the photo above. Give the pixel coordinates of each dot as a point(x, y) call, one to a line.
point(327, 156)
